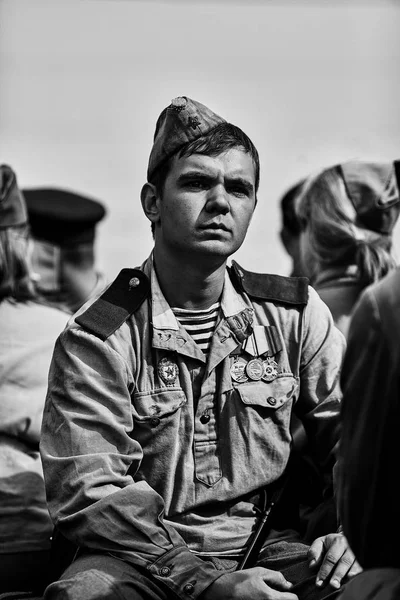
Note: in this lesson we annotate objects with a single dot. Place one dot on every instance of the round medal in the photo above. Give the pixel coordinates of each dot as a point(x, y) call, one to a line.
point(238, 370)
point(270, 370)
point(255, 369)
point(168, 371)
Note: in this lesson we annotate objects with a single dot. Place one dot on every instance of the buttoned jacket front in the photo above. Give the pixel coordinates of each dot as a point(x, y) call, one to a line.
point(151, 452)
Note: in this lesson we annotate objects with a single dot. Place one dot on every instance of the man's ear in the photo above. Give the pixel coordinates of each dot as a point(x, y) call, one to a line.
point(150, 202)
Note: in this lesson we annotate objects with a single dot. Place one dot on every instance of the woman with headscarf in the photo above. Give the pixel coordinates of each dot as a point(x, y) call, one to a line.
point(369, 452)
point(347, 214)
point(28, 332)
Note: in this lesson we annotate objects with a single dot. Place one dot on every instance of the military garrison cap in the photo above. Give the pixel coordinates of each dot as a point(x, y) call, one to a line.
point(183, 121)
point(62, 217)
point(13, 211)
point(374, 193)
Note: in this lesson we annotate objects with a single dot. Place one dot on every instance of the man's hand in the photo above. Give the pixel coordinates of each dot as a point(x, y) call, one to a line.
point(332, 554)
point(256, 583)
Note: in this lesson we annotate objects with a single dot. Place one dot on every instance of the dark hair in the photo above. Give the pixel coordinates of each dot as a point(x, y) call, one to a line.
point(15, 273)
point(224, 136)
point(290, 220)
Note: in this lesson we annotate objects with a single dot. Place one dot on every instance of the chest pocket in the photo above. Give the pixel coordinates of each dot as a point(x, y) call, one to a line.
point(159, 403)
point(272, 395)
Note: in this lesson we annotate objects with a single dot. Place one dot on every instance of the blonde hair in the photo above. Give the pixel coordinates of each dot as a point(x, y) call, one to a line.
point(16, 282)
point(333, 237)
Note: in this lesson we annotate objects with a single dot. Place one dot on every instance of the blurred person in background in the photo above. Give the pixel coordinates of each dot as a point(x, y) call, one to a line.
point(28, 333)
point(369, 449)
point(63, 226)
point(313, 522)
point(347, 214)
point(291, 227)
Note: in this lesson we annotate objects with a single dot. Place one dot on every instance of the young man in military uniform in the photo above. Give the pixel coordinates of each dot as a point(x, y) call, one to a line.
point(167, 424)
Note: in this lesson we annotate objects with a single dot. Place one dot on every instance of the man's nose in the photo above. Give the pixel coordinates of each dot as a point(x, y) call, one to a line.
point(218, 200)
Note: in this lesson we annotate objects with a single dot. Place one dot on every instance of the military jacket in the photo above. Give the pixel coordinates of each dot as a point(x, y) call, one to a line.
point(151, 451)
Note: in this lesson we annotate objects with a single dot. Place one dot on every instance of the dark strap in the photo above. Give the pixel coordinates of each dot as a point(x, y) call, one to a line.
point(259, 535)
point(120, 300)
point(277, 288)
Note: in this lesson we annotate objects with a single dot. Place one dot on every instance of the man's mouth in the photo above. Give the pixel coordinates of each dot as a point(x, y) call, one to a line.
point(215, 226)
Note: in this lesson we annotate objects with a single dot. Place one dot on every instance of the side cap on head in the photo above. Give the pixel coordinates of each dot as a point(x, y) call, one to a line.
point(62, 217)
point(13, 211)
point(183, 121)
point(374, 193)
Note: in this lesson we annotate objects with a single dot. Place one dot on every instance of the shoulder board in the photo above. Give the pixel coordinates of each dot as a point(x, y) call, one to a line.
point(277, 288)
point(120, 300)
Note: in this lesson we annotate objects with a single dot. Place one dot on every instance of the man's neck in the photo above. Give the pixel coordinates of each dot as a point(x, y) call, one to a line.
point(187, 284)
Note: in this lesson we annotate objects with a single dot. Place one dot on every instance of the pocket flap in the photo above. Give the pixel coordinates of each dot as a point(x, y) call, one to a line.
point(269, 395)
point(159, 403)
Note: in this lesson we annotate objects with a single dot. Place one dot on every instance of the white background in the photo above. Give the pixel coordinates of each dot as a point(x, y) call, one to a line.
point(82, 83)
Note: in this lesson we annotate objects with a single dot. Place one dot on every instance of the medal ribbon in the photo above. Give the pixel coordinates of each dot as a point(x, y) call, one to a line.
point(264, 341)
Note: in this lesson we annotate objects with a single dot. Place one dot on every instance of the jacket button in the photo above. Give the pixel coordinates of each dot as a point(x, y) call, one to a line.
point(189, 588)
point(205, 418)
point(271, 401)
point(165, 571)
point(134, 282)
point(154, 421)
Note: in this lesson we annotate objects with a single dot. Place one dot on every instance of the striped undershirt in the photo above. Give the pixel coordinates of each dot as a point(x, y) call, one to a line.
point(200, 324)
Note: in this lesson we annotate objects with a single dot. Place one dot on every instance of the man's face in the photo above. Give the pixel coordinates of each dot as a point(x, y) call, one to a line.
point(207, 203)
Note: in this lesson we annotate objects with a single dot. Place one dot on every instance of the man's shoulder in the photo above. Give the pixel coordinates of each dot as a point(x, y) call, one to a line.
point(271, 287)
point(388, 288)
point(116, 304)
point(381, 301)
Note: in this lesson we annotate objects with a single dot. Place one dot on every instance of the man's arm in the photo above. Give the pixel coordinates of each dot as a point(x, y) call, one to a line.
point(318, 406)
point(90, 462)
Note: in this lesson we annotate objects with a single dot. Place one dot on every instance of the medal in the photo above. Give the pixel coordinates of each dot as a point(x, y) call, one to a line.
point(168, 371)
point(255, 369)
point(270, 370)
point(238, 370)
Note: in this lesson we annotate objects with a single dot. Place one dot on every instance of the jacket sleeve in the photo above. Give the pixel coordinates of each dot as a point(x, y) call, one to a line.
point(318, 406)
point(88, 455)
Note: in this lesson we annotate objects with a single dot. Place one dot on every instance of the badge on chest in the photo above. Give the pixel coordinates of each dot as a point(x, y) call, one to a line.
point(168, 371)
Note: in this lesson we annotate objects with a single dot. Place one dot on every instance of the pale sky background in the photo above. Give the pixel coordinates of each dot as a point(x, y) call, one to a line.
point(82, 83)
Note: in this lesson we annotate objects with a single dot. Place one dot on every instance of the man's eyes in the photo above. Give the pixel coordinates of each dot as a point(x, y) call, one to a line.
point(238, 190)
point(204, 184)
point(197, 184)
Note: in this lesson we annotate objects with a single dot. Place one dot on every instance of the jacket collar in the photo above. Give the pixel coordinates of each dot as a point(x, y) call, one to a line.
point(162, 316)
